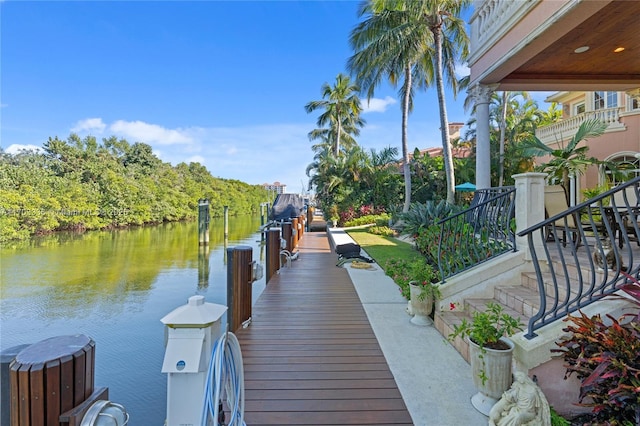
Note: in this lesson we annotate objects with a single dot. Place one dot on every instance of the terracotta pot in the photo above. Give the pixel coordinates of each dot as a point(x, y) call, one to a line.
point(496, 365)
point(421, 308)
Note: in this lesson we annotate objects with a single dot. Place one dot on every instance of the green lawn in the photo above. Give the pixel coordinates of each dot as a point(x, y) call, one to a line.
point(382, 248)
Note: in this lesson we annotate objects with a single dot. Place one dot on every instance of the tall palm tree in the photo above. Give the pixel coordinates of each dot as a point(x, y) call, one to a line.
point(342, 109)
point(327, 136)
point(505, 102)
point(388, 45)
point(451, 43)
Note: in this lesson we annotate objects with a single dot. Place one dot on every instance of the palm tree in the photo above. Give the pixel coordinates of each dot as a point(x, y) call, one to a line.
point(389, 46)
point(451, 43)
point(327, 136)
point(342, 109)
point(569, 160)
point(505, 102)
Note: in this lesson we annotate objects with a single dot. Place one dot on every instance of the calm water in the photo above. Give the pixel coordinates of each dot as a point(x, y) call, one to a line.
point(114, 287)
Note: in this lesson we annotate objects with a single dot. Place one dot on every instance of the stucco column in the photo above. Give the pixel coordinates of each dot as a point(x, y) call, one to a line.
point(482, 95)
point(529, 208)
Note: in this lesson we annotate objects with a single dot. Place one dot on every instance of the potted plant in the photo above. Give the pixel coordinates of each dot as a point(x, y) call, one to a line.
point(423, 291)
point(490, 352)
point(415, 278)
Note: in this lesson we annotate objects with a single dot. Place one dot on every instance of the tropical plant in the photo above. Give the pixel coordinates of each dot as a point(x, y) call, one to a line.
point(428, 178)
point(423, 215)
point(80, 184)
point(413, 21)
point(342, 109)
point(387, 45)
point(508, 102)
point(451, 44)
point(569, 160)
point(403, 272)
point(355, 178)
point(382, 230)
point(605, 356)
point(486, 328)
point(454, 249)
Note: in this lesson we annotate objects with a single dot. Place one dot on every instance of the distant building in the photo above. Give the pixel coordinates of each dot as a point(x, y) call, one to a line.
point(279, 188)
point(456, 152)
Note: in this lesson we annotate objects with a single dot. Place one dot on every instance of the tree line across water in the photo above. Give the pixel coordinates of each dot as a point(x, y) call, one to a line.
point(81, 184)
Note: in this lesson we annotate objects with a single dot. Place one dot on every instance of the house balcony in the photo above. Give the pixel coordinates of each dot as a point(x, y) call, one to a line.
point(566, 128)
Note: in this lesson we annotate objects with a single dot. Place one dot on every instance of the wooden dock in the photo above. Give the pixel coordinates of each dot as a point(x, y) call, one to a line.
point(310, 354)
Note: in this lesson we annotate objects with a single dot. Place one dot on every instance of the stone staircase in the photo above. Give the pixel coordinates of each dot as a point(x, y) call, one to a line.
point(520, 301)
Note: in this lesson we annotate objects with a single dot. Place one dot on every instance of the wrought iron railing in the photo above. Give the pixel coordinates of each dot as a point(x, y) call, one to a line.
point(481, 232)
point(579, 255)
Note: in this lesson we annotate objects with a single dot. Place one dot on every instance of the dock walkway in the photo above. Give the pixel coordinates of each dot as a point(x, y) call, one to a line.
point(310, 354)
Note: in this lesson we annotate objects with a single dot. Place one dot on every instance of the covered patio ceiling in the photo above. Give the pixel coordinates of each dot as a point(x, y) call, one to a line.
point(550, 61)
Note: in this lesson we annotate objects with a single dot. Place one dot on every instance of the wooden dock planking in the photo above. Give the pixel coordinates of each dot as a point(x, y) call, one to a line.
point(310, 355)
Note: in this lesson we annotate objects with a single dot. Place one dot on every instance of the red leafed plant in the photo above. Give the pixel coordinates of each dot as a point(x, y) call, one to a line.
point(605, 355)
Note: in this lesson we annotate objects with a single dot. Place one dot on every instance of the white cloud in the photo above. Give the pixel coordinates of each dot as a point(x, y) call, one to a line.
point(377, 105)
point(16, 148)
point(462, 70)
point(89, 125)
point(195, 159)
point(139, 131)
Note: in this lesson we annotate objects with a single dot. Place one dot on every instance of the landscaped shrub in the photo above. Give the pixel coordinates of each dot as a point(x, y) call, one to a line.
point(348, 216)
point(404, 271)
point(421, 215)
point(378, 219)
point(605, 355)
point(382, 230)
point(461, 246)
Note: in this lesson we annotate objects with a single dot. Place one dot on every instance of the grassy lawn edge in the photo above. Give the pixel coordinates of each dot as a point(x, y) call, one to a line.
point(381, 248)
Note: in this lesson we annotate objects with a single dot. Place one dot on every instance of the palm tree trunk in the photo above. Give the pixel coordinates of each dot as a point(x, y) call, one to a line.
point(503, 126)
point(444, 123)
point(338, 135)
point(405, 144)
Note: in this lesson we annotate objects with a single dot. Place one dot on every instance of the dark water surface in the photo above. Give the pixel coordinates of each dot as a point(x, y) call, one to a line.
point(114, 287)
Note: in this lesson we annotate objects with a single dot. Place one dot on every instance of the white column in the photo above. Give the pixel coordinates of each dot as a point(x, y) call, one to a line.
point(482, 95)
point(529, 208)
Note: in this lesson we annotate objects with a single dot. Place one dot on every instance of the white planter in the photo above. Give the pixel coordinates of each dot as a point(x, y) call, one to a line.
point(421, 308)
point(496, 365)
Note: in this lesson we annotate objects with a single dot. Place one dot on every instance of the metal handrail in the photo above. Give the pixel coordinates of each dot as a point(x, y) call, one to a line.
point(478, 233)
point(580, 268)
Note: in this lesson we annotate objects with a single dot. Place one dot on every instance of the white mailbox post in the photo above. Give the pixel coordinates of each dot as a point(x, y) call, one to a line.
point(192, 330)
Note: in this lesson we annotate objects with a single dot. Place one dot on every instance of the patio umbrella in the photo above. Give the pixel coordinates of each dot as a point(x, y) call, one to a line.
point(466, 187)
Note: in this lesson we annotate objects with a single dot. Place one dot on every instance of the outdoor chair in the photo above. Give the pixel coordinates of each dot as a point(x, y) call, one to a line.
point(350, 252)
point(626, 201)
point(555, 202)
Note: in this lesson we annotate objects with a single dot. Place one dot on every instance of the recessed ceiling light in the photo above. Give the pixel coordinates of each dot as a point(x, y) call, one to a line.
point(581, 49)
point(618, 49)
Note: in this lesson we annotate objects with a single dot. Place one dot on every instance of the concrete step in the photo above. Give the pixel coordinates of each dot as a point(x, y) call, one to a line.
point(517, 301)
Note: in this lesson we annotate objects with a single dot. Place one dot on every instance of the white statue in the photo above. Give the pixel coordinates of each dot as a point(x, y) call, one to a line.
point(523, 404)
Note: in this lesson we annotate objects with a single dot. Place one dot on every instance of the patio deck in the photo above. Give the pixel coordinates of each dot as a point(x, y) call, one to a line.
point(310, 354)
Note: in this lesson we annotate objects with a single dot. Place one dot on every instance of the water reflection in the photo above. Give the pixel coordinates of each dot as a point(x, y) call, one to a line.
point(203, 267)
point(114, 287)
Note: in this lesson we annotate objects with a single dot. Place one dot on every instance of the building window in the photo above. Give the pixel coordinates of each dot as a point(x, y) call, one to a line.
point(602, 100)
point(579, 108)
point(628, 164)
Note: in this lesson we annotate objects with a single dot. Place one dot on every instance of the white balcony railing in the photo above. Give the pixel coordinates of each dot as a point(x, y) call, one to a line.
point(566, 128)
point(492, 19)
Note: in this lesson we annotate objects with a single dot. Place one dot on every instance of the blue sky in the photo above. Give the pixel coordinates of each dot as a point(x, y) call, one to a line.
point(223, 83)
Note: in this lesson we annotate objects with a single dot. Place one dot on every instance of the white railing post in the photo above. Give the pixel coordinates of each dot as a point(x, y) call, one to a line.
point(529, 208)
